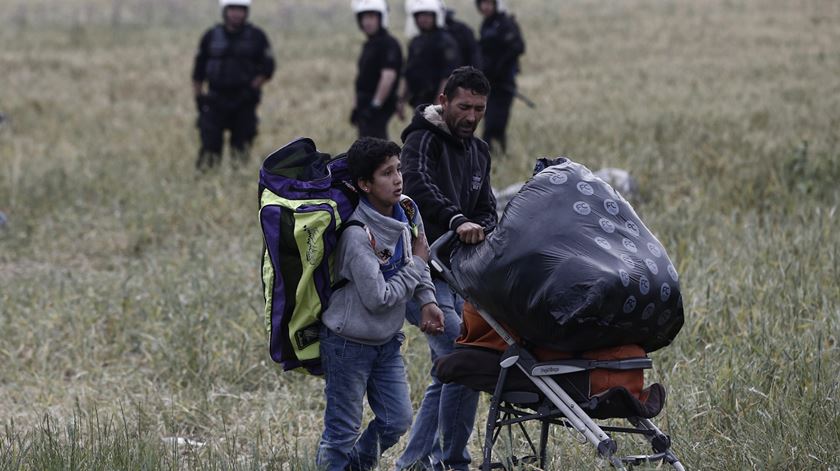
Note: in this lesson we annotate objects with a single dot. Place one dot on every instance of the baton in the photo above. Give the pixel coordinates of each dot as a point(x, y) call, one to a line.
point(518, 94)
point(525, 99)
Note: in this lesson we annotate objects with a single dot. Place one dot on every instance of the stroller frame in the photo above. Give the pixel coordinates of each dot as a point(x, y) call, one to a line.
point(564, 411)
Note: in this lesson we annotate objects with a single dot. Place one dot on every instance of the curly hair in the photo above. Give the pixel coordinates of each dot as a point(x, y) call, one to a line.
point(367, 154)
point(468, 78)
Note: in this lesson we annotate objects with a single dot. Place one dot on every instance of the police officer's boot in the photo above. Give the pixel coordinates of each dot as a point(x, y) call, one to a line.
point(207, 160)
point(239, 156)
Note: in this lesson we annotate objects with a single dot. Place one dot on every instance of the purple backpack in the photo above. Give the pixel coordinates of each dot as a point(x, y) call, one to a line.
point(305, 197)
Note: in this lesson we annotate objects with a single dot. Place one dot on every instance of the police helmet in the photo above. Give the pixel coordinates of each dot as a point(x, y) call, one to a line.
point(412, 7)
point(234, 3)
point(500, 5)
point(378, 6)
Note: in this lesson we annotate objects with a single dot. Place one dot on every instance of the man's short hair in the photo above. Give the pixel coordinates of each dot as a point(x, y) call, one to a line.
point(468, 78)
point(367, 154)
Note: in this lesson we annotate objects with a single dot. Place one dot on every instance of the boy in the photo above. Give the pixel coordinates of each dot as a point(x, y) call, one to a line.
point(385, 264)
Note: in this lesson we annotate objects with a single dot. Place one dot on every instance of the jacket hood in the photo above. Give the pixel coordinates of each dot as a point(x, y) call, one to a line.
point(430, 118)
point(387, 231)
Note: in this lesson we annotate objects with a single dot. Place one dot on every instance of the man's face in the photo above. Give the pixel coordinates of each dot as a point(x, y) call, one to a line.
point(463, 112)
point(425, 20)
point(487, 7)
point(369, 22)
point(235, 16)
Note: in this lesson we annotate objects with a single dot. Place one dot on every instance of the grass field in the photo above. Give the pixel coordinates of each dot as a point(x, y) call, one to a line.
point(130, 299)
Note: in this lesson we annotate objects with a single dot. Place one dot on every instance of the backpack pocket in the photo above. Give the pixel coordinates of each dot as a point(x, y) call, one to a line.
point(299, 240)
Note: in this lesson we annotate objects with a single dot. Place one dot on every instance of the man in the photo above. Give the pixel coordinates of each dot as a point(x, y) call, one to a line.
point(234, 59)
point(432, 55)
point(501, 45)
point(379, 67)
point(446, 170)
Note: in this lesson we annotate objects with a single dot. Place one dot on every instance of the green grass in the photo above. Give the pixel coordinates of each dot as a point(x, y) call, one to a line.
point(130, 300)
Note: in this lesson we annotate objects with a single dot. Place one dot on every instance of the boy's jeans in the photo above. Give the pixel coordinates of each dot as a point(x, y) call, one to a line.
point(447, 409)
point(353, 369)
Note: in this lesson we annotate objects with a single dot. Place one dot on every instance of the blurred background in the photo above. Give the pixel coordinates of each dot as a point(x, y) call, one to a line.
point(130, 298)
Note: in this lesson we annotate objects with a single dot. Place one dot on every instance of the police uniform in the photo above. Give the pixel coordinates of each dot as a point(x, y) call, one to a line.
point(432, 56)
point(465, 38)
point(501, 45)
point(381, 51)
point(229, 62)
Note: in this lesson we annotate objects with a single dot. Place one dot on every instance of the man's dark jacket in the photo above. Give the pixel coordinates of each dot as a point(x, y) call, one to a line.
point(448, 177)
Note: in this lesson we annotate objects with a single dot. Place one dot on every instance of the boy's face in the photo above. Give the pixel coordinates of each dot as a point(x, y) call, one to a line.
point(385, 189)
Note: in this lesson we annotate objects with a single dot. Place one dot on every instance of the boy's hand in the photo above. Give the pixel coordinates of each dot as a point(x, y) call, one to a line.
point(431, 319)
point(420, 247)
point(470, 233)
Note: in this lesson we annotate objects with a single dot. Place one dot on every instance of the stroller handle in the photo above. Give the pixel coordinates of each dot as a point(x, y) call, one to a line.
point(440, 254)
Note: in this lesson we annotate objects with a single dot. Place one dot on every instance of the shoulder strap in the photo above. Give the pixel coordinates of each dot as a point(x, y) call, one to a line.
point(410, 209)
point(352, 223)
point(355, 223)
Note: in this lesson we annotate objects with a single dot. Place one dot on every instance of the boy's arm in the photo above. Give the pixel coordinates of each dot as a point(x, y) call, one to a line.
point(431, 317)
point(425, 291)
point(361, 267)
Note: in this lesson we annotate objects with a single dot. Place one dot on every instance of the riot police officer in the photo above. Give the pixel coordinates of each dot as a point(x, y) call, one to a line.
point(432, 55)
point(465, 38)
point(501, 45)
point(234, 59)
point(379, 67)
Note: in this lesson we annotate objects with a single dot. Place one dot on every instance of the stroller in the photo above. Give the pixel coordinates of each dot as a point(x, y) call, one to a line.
point(550, 392)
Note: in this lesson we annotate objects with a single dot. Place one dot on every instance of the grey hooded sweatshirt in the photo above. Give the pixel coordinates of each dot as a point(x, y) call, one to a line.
point(369, 309)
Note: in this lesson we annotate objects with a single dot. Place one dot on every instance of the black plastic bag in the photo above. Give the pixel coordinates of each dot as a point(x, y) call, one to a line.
point(571, 267)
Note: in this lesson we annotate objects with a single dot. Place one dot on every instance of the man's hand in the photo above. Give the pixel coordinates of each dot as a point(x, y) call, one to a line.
point(201, 103)
point(420, 247)
point(367, 113)
point(470, 233)
point(431, 319)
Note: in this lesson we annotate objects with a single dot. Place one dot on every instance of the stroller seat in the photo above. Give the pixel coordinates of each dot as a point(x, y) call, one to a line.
point(605, 383)
point(479, 369)
point(529, 383)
